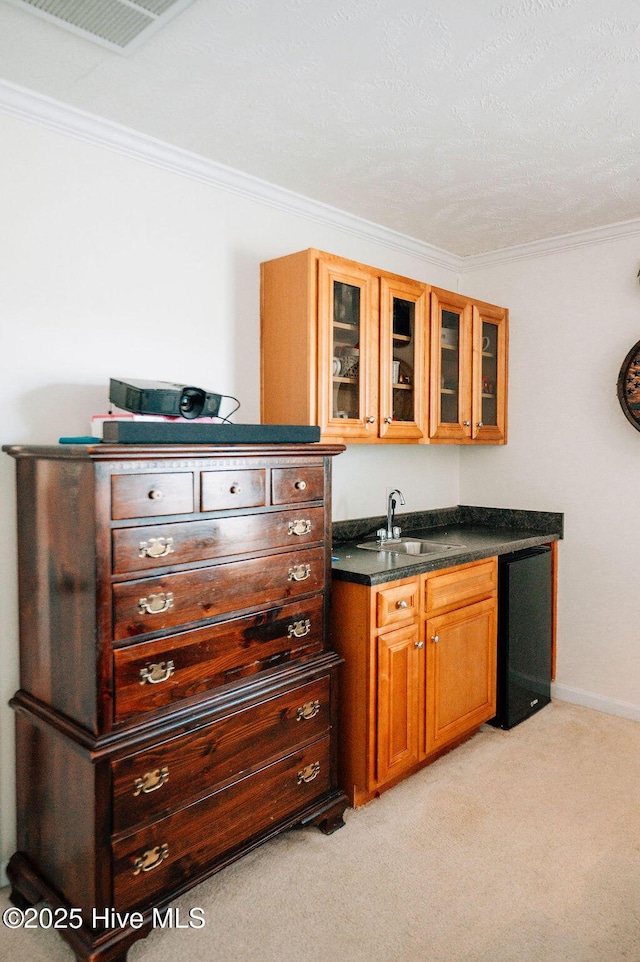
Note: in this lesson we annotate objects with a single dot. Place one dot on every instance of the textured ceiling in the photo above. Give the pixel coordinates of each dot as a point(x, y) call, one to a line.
point(469, 124)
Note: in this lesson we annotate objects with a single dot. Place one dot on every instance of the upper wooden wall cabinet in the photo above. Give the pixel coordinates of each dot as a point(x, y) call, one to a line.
point(374, 357)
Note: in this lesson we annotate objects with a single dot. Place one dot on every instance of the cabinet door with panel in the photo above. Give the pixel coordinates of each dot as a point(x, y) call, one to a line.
point(461, 671)
point(468, 370)
point(404, 344)
point(399, 684)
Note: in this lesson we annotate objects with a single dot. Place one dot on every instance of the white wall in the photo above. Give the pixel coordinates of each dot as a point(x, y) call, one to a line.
point(574, 315)
point(111, 267)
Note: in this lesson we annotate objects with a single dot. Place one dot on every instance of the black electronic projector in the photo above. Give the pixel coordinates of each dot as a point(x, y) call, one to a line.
point(163, 397)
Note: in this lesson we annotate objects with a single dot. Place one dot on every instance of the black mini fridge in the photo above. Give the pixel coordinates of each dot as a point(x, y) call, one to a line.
point(524, 635)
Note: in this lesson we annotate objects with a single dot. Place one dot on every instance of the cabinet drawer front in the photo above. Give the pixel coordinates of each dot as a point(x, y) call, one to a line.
point(233, 489)
point(397, 604)
point(297, 484)
point(459, 586)
point(174, 849)
point(195, 661)
point(147, 495)
point(154, 782)
point(167, 601)
point(136, 549)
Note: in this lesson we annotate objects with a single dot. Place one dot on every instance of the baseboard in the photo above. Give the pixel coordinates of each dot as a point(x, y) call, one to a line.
point(588, 699)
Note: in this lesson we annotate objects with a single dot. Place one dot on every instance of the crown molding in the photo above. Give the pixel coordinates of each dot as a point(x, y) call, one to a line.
point(46, 112)
point(551, 245)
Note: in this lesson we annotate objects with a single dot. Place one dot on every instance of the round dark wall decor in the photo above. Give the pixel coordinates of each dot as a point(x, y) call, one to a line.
point(629, 386)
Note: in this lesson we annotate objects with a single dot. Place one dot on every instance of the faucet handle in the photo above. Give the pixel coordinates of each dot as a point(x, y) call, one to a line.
point(381, 534)
point(396, 532)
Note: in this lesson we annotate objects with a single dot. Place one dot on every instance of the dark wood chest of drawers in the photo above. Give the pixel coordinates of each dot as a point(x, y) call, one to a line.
point(177, 697)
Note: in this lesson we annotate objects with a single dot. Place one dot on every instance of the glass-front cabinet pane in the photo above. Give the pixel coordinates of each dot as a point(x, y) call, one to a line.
point(402, 375)
point(451, 359)
point(347, 306)
point(489, 373)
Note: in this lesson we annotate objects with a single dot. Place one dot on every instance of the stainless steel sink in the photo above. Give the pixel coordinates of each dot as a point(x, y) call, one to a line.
point(411, 546)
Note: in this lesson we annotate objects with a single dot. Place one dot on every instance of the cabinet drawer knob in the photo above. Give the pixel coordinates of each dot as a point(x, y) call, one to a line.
point(435, 638)
point(419, 644)
point(157, 673)
point(155, 604)
point(371, 420)
point(308, 773)
point(300, 485)
point(155, 494)
point(401, 604)
point(235, 489)
point(151, 859)
point(299, 628)
point(150, 781)
point(467, 424)
point(388, 420)
point(300, 526)
point(155, 548)
point(299, 573)
point(480, 424)
point(309, 710)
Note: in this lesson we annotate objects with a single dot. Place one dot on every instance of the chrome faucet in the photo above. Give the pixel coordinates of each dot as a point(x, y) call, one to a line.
point(392, 532)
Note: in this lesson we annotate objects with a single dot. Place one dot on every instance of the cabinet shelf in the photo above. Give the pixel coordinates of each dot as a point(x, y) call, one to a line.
point(345, 380)
point(403, 387)
point(448, 390)
point(404, 338)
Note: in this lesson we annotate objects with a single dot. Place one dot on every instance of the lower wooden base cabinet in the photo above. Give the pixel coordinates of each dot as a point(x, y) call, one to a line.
point(177, 705)
point(419, 672)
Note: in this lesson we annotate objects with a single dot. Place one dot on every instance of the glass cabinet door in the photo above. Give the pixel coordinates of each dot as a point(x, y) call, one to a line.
point(451, 367)
point(348, 306)
point(489, 373)
point(402, 360)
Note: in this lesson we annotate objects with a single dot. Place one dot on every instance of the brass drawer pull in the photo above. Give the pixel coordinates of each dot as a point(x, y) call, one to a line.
point(155, 674)
point(156, 548)
point(299, 629)
point(299, 573)
point(300, 485)
point(308, 773)
point(309, 710)
point(300, 527)
point(150, 781)
point(156, 604)
point(151, 859)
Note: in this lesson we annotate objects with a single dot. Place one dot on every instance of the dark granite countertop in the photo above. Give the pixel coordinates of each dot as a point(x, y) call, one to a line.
point(466, 533)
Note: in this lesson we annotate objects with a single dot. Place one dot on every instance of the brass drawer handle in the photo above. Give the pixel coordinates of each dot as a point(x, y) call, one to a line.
point(156, 604)
point(155, 548)
point(300, 527)
point(150, 781)
point(151, 859)
point(309, 710)
point(308, 773)
point(155, 674)
point(299, 573)
point(299, 629)
point(300, 485)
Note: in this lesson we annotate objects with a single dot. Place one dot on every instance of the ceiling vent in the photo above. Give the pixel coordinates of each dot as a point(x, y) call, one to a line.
point(120, 25)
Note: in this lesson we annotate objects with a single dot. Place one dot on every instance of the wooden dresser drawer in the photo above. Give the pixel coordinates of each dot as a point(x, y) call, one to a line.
point(168, 601)
point(154, 674)
point(297, 484)
point(148, 495)
point(223, 490)
point(177, 848)
point(158, 545)
point(460, 586)
point(398, 603)
point(153, 782)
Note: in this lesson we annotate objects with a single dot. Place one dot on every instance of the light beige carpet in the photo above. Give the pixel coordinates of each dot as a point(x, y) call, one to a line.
point(520, 846)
